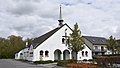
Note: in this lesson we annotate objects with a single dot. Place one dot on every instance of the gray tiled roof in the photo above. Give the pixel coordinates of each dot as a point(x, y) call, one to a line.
point(39, 40)
point(118, 41)
point(96, 40)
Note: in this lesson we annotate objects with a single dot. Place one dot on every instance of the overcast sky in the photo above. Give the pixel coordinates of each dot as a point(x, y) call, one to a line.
point(32, 18)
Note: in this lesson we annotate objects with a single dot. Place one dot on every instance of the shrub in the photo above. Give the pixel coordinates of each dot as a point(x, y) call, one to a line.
point(65, 62)
point(56, 60)
point(43, 62)
point(62, 62)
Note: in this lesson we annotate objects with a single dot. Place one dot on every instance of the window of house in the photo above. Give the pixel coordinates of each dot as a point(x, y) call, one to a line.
point(16, 54)
point(102, 48)
point(93, 40)
point(46, 53)
point(96, 53)
point(82, 53)
point(41, 53)
point(31, 54)
point(24, 52)
point(27, 52)
point(86, 53)
point(96, 47)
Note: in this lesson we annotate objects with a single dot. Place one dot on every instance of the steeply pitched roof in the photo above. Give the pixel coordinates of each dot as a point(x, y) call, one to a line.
point(39, 40)
point(96, 40)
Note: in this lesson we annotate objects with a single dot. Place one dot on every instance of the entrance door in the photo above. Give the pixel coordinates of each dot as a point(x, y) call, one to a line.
point(57, 54)
point(66, 55)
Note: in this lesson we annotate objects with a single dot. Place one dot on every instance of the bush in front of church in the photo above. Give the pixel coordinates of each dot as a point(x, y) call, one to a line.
point(65, 62)
point(43, 62)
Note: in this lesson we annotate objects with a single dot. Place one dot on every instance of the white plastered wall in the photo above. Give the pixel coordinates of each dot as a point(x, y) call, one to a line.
point(51, 44)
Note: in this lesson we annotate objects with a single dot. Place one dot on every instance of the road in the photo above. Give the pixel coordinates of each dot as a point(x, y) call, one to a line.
point(10, 63)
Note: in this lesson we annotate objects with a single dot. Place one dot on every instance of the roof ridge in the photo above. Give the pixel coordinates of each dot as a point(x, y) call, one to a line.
point(93, 37)
point(49, 31)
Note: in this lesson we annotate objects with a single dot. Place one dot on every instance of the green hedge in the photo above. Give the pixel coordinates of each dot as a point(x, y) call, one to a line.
point(106, 61)
point(112, 55)
point(64, 62)
point(43, 62)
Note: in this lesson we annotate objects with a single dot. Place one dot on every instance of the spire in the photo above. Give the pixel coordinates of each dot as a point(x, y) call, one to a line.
point(60, 18)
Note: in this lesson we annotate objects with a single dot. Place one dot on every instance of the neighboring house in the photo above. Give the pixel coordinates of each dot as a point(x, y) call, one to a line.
point(19, 55)
point(118, 41)
point(85, 54)
point(23, 54)
point(96, 44)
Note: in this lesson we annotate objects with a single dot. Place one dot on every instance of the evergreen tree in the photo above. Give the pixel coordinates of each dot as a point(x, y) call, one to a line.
point(75, 41)
point(112, 44)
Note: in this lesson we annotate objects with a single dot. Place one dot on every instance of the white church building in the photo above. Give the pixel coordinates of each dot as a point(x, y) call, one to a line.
point(52, 46)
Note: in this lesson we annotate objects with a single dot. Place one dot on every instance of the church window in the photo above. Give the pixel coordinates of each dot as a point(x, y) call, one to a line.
point(21, 54)
point(96, 47)
point(86, 53)
point(63, 40)
point(82, 53)
point(46, 53)
point(41, 53)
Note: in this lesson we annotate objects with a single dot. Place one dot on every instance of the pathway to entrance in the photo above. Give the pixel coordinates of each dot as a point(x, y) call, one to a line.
point(10, 63)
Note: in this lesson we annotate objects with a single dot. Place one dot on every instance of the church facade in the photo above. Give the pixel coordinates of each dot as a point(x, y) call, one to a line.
point(52, 46)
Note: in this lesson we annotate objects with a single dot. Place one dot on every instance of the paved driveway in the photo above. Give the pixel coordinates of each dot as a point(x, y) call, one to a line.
point(10, 63)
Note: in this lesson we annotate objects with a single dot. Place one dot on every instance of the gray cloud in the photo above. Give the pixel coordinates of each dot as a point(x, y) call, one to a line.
point(32, 18)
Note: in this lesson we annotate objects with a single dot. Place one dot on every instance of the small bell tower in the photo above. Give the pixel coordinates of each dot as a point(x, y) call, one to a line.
point(60, 18)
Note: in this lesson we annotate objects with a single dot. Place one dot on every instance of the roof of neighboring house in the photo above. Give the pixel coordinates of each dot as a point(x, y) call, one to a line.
point(118, 41)
point(96, 40)
point(39, 40)
point(1, 39)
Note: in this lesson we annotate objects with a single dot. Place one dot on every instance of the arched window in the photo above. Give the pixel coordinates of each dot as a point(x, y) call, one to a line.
point(86, 53)
point(82, 53)
point(41, 53)
point(46, 53)
point(21, 53)
point(63, 40)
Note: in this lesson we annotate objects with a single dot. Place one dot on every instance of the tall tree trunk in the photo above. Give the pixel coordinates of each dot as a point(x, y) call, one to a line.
point(112, 51)
point(76, 55)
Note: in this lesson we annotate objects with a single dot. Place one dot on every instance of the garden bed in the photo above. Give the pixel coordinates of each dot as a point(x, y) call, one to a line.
point(81, 65)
